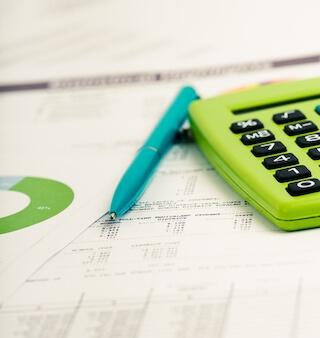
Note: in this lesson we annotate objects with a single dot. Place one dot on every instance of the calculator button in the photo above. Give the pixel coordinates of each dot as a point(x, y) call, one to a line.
point(300, 128)
point(304, 187)
point(291, 174)
point(279, 161)
point(314, 153)
point(317, 109)
point(268, 149)
point(308, 140)
point(257, 137)
point(247, 125)
point(288, 116)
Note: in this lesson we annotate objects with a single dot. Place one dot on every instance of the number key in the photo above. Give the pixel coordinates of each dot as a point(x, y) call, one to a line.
point(288, 116)
point(291, 174)
point(308, 140)
point(268, 149)
point(314, 153)
point(279, 161)
point(304, 187)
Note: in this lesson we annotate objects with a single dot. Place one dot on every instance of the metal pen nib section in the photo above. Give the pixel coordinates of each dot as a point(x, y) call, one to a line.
point(112, 215)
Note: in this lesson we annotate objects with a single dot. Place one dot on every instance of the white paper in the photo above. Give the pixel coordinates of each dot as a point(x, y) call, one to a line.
point(191, 259)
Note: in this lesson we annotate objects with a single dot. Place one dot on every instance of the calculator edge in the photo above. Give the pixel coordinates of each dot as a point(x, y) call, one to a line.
point(287, 225)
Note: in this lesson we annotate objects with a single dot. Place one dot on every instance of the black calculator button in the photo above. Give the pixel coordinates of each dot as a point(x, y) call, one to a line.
point(288, 116)
point(268, 149)
point(304, 187)
point(257, 137)
point(292, 174)
point(314, 153)
point(300, 128)
point(279, 161)
point(246, 125)
point(317, 109)
point(308, 140)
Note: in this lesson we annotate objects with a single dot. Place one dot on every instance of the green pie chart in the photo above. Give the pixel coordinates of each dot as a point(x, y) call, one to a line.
point(47, 199)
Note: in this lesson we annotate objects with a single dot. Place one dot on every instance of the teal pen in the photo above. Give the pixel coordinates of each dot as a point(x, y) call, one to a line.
point(136, 177)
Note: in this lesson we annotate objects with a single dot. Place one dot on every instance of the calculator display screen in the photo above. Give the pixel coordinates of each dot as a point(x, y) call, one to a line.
point(274, 104)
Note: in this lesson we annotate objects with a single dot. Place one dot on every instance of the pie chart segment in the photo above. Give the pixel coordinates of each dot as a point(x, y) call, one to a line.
point(47, 199)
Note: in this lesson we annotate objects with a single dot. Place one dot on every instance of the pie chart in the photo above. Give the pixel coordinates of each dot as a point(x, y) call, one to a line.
point(47, 198)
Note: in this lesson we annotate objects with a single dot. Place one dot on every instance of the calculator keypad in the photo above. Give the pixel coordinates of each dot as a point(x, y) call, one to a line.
point(265, 144)
point(292, 174)
point(246, 125)
point(279, 161)
point(300, 128)
point(288, 116)
point(303, 187)
point(257, 137)
point(268, 149)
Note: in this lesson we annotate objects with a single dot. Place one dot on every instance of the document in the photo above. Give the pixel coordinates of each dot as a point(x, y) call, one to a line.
point(191, 259)
point(82, 85)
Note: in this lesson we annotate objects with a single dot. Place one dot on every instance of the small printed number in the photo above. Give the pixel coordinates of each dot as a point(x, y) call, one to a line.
point(269, 145)
point(305, 184)
point(281, 158)
point(295, 170)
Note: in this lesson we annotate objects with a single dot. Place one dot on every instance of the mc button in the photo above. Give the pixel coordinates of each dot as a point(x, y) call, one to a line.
point(257, 137)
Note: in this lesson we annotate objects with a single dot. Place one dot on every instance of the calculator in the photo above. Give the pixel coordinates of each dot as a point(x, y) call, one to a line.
point(265, 142)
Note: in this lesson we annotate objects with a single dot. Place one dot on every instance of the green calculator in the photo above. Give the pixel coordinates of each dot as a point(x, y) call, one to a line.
point(265, 142)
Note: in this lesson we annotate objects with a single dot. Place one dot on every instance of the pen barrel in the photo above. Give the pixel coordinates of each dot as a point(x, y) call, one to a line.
point(138, 174)
point(134, 180)
point(162, 142)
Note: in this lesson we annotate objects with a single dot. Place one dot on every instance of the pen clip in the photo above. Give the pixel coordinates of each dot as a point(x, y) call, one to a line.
point(184, 135)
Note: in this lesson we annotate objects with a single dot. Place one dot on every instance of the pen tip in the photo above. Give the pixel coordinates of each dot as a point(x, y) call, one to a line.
point(112, 216)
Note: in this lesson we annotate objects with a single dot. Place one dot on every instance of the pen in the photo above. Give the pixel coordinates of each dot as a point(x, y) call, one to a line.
point(149, 155)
